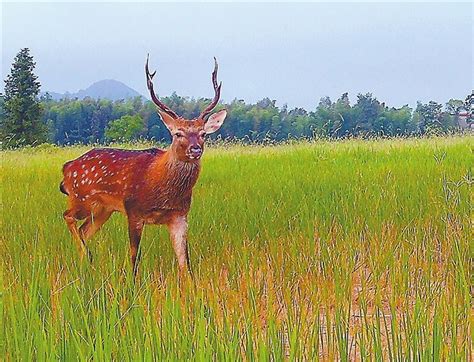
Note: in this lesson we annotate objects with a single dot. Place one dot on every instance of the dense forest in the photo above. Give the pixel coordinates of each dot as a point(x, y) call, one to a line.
point(73, 121)
point(28, 118)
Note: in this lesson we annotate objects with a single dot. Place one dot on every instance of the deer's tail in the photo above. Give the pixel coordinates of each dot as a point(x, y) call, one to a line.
point(62, 189)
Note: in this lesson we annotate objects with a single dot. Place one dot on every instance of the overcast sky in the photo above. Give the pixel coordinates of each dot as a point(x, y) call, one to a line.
point(294, 53)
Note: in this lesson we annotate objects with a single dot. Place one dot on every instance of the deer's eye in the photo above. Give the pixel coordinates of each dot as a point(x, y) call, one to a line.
point(202, 134)
point(179, 134)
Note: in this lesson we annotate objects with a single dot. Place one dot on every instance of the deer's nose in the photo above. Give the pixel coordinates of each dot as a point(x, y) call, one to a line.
point(195, 151)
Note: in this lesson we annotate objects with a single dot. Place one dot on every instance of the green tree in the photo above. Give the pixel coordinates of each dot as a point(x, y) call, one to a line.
point(368, 110)
point(324, 118)
point(345, 117)
point(454, 107)
point(2, 106)
point(397, 121)
point(21, 123)
point(126, 128)
point(431, 118)
point(469, 107)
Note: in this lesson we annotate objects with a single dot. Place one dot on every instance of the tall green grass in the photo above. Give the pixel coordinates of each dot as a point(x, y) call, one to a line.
point(314, 250)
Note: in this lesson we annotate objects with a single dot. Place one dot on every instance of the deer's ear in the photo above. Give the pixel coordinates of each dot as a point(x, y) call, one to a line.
point(168, 121)
point(215, 121)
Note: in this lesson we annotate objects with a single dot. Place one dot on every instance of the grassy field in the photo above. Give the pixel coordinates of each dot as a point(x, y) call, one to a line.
point(331, 250)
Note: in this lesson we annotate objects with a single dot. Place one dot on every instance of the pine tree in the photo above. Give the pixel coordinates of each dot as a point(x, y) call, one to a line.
point(21, 122)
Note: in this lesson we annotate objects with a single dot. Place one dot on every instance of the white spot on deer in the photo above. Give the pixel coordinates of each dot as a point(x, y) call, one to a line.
point(99, 179)
point(82, 182)
point(93, 168)
point(86, 171)
point(74, 174)
point(83, 166)
point(124, 178)
point(100, 162)
point(90, 181)
point(96, 174)
point(104, 167)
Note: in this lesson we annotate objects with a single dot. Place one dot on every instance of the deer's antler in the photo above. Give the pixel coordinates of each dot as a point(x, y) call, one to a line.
point(217, 92)
point(155, 99)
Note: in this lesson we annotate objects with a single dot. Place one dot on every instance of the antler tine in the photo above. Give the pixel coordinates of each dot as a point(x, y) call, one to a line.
point(217, 92)
point(155, 99)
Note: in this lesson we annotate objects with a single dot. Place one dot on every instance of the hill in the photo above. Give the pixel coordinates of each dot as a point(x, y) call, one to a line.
point(108, 88)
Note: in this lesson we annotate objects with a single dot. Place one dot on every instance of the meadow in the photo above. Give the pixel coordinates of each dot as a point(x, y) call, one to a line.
point(347, 250)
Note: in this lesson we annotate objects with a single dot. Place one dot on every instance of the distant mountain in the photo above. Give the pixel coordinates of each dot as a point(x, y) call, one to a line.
point(104, 89)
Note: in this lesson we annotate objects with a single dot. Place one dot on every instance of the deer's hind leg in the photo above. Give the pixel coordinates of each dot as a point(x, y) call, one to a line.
point(71, 216)
point(94, 222)
point(135, 229)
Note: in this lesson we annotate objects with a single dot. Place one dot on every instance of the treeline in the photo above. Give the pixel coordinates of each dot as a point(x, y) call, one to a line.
point(28, 119)
point(72, 121)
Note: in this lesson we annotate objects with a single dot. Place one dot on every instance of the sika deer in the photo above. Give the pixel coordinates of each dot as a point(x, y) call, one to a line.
point(150, 186)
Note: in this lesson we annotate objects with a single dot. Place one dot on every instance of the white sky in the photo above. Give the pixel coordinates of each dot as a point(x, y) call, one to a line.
point(294, 53)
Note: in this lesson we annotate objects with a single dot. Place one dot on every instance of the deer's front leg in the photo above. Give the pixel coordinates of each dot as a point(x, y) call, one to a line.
point(178, 228)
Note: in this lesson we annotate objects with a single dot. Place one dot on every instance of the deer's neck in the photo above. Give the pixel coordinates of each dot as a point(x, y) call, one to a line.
point(176, 176)
point(182, 175)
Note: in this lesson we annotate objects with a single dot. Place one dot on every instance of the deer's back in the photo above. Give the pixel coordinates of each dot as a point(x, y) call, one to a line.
point(106, 175)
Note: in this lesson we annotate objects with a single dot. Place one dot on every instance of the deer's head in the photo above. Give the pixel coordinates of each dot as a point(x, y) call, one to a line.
point(189, 135)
